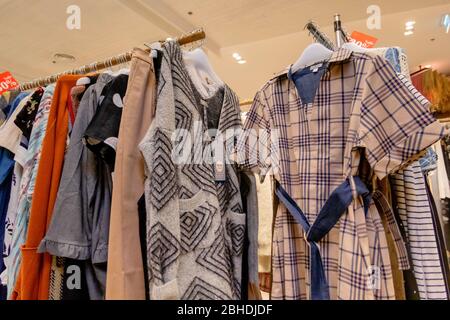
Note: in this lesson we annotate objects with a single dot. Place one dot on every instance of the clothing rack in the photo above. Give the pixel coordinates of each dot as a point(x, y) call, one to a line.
point(338, 31)
point(245, 102)
point(194, 36)
point(319, 36)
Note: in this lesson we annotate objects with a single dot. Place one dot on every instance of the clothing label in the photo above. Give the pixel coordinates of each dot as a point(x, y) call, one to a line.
point(7, 82)
point(208, 82)
point(363, 40)
point(219, 170)
point(315, 67)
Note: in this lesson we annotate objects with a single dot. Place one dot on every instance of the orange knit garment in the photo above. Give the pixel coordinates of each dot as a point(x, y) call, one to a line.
point(34, 275)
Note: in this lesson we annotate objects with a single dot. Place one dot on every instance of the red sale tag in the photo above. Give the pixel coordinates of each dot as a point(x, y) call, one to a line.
point(7, 82)
point(363, 40)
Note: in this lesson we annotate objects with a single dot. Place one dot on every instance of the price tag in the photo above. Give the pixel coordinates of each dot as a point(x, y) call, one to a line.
point(363, 40)
point(7, 82)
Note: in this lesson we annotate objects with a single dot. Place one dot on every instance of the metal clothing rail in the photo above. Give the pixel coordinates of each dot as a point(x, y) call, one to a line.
point(319, 36)
point(194, 36)
point(341, 36)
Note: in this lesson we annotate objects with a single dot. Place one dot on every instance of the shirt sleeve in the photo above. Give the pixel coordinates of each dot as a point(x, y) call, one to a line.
point(396, 122)
point(255, 148)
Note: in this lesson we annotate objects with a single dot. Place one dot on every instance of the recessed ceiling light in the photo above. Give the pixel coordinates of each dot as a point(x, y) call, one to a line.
point(428, 66)
point(408, 33)
point(242, 61)
point(237, 56)
point(410, 23)
point(409, 27)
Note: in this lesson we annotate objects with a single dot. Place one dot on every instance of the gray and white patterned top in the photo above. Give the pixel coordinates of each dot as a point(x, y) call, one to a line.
point(195, 225)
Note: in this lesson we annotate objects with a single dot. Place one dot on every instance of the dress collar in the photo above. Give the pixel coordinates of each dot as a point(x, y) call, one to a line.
point(340, 55)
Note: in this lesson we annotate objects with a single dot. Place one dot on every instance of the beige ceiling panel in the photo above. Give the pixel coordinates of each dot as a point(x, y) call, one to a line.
point(33, 31)
point(231, 22)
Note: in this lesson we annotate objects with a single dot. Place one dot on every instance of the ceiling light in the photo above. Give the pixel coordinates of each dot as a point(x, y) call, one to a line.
point(428, 66)
point(237, 56)
point(242, 61)
point(446, 23)
point(409, 27)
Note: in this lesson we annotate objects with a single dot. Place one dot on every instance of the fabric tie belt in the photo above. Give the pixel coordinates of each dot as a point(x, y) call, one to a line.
point(328, 216)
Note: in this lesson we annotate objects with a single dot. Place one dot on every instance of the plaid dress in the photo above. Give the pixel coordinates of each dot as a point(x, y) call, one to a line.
point(362, 110)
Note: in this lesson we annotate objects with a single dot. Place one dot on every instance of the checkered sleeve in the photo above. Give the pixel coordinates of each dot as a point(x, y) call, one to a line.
point(396, 122)
point(252, 150)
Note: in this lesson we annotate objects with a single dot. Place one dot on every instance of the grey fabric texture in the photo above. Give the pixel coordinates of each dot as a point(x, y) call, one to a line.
point(252, 230)
point(195, 225)
point(79, 227)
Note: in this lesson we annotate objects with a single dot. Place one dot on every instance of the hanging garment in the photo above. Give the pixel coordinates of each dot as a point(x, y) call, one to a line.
point(11, 216)
point(315, 147)
point(265, 222)
point(250, 280)
point(125, 277)
point(6, 104)
point(80, 222)
point(30, 168)
point(439, 224)
point(395, 255)
point(68, 280)
point(34, 275)
point(429, 161)
point(195, 224)
point(5, 191)
point(413, 206)
point(26, 118)
point(101, 135)
point(444, 188)
point(413, 203)
point(77, 92)
point(7, 134)
point(63, 268)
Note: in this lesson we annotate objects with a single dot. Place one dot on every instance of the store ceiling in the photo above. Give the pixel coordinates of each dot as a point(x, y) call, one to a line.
point(268, 34)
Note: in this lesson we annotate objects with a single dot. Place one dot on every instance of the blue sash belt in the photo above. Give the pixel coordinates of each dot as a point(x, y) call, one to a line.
point(329, 215)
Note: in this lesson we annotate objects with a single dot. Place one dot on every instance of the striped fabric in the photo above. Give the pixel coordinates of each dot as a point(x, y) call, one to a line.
point(30, 170)
point(415, 209)
point(415, 213)
point(56, 279)
point(400, 248)
point(361, 104)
